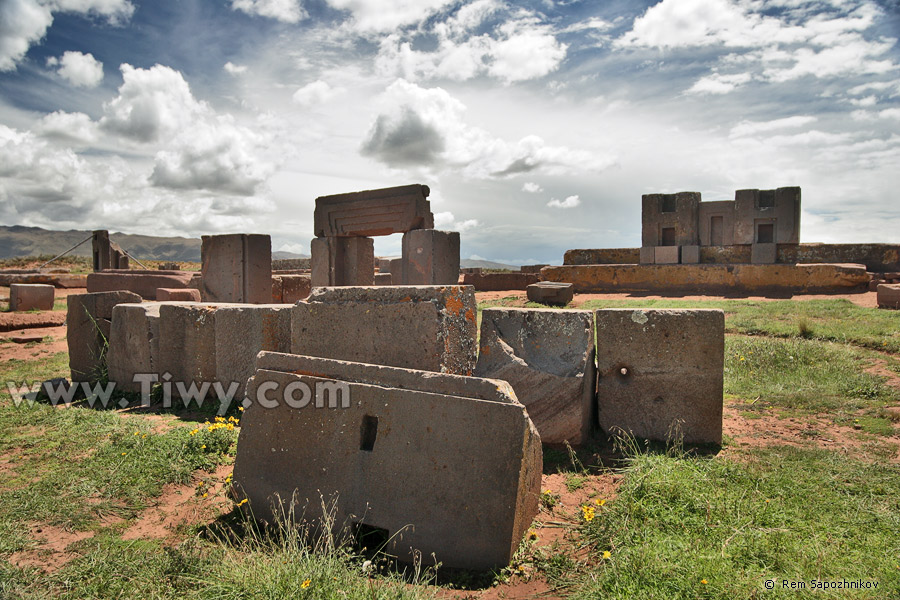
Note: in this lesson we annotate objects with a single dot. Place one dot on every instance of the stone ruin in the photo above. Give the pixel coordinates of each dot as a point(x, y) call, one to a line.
point(415, 432)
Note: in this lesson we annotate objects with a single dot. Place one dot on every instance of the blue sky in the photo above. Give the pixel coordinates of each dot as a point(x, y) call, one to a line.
point(537, 125)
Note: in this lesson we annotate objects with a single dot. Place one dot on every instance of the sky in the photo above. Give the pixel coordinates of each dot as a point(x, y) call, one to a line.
point(537, 125)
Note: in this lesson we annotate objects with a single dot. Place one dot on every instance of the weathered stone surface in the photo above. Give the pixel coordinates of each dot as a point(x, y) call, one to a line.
point(384, 263)
point(277, 289)
point(712, 279)
point(430, 257)
point(763, 254)
point(419, 456)
point(675, 214)
point(889, 295)
point(88, 322)
point(384, 279)
point(647, 256)
point(661, 373)
point(603, 256)
point(548, 357)
point(295, 288)
point(342, 261)
point(210, 342)
point(374, 212)
point(690, 255)
point(133, 344)
point(551, 292)
point(236, 268)
point(143, 283)
point(31, 296)
point(177, 295)
point(532, 268)
point(65, 281)
point(492, 282)
point(431, 328)
point(667, 255)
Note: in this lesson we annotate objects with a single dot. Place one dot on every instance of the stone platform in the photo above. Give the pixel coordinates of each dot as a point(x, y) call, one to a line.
point(713, 279)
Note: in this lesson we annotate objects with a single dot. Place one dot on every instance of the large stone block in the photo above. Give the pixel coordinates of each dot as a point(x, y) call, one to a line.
point(342, 261)
point(294, 288)
point(143, 283)
point(431, 328)
point(445, 466)
point(430, 257)
point(88, 321)
point(31, 296)
point(548, 357)
point(661, 373)
point(648, 255)
point(551, 292)
point(374, 212)
point(888, 295)
point(667, 255)
point(133, 344)
point(177, 295)
point(236, 268)
point(219, 342)
point(491, 282)
point(384, 279)
point(690, 255)
point(763, 254)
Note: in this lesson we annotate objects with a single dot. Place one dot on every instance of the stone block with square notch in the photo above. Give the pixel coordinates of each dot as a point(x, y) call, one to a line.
point(374, 212)
point(236, 268)
point(31, 296)
point(660, 373)
point(431, 328)
point(548, 357)
point(469, 456)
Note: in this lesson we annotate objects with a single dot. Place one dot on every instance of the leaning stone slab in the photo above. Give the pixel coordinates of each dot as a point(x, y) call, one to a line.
point(551, 292)
point(445, 466)
point(548, 357)
point(88, 322)
point(31, 296)
point(430, 328)
point(374, 212)
point(661, 373)
point(888, 295)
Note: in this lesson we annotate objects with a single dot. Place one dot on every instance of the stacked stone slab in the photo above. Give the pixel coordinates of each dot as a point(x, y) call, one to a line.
point(551, 292)
point(888, 295)
point(429, 328)
point(218, 342)
point(31, 296)
point(660, 373)
point(443, 467)
point(88, 323)
point(236, 268)
point(343, 254)
point(548, 357)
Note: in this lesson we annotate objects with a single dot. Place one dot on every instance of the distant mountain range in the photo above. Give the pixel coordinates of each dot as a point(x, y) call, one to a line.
point(16, 241)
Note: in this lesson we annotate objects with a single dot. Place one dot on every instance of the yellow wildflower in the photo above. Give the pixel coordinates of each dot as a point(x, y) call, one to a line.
point(607, 555)
point(703, 581)
point(305, 583)
point(587, 512)
point(243, 502)
point(599, 502)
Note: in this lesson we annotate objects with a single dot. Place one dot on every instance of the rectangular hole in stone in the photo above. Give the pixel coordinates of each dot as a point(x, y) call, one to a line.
point(369, 431)
point(668, 204)
point(668, 236)
point(766, 199)
point(765, 233)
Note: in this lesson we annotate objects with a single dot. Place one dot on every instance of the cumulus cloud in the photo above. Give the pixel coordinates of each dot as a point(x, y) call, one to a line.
point(24, 22)
point(753, 127)
point(447, 222)
point(234, 69)
point(72, 128)
point(532, 188)
point(287, 11)
point(81, 70)
point(569, 202)
point(372, 16)
point(314, 93)
point(782, 42)
point(422, 127)
point(520, 48)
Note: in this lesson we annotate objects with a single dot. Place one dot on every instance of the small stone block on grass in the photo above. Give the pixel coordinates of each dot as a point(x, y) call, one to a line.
point(31, 296)
point(550, 292)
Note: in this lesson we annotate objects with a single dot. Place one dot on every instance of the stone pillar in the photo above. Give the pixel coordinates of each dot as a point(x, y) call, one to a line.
point(430, 257)
point(237, 268)
point(342, 261)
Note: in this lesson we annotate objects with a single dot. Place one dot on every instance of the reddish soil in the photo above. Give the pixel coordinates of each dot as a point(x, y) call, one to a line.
point(51, 552)
point(866, 300)
point(33, 351)
point(180, 506)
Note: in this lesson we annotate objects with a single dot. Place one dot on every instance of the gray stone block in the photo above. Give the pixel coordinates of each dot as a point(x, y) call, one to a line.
point(88, 321)
point(551, 292)
point(437, 464)
point(431, 328)
point(342, 261)
point(430, 257)
point(648, 255)
point(236, 268)
point(31, 296)
point(888, 295)
point(661, 373)
point(374, 212)
point(690, 255)
point(548, 357)
point(667, 255)
point(133, 344)
point(763, 254)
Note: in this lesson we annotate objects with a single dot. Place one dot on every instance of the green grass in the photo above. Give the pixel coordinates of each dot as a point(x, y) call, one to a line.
point(783, 514)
